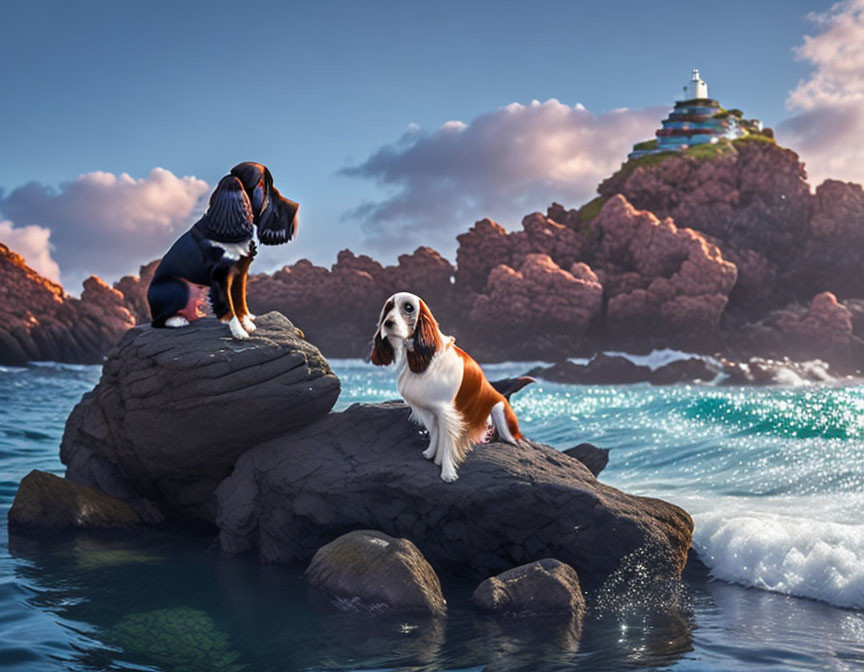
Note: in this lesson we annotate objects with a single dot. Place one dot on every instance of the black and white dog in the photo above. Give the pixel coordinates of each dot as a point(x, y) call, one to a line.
point(218, 250)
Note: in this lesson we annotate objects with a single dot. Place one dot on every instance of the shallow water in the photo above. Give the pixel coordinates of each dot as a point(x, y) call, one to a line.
point(773, 478)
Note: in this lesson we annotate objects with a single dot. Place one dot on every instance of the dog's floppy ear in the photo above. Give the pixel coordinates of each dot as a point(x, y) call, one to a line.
point(229, 218)
point(382, 352)
point(279, 219)
point(427, 340)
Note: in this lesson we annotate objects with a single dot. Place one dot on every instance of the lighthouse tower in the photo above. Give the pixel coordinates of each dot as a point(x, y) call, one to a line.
point(697, 120)
point(695, 88)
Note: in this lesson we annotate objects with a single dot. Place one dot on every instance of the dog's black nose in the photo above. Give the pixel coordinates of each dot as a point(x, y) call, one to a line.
point(388, 324)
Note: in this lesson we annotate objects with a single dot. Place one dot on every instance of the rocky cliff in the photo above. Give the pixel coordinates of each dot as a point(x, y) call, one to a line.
point(722, 251)
point(38, 321)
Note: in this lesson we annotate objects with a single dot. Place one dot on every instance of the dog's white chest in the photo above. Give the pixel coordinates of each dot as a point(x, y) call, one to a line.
point(437, 385)
point(233, 250)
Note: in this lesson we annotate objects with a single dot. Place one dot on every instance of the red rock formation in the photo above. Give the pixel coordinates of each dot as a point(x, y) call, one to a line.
point(39, 322)
point(539, 310)
point(822, 330)
point(825, 324)
point(833, 257)
point(662, 284)
point(753, 199)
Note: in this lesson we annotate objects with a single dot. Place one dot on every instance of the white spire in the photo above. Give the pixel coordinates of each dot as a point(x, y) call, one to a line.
point(695, 88)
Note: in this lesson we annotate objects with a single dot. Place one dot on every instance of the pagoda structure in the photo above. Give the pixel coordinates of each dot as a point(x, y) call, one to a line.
point(696, 120)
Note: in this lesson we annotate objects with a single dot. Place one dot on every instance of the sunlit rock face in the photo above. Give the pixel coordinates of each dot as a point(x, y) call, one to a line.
point(39, 321)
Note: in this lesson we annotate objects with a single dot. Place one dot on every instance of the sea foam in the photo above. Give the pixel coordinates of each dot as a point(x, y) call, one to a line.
point(792, 555)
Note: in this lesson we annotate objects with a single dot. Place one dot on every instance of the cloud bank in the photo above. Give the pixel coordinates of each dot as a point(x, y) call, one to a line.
point(101, 223)
point(830, 103)
point(503, 164)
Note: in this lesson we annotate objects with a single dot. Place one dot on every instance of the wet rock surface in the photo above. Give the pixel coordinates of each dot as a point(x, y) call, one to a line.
point(47, 501)
point(541, 587)
point(363, 468)
point(378, 571)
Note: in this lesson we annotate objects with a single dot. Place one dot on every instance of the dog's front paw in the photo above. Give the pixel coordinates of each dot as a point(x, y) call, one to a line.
point(248, 324)
point(449, 475)
point(176, 321)
point(429, 453)
point(237, 330)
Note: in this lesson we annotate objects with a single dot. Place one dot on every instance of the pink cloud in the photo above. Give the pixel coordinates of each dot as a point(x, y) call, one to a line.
point(830, 103)
point(107, 224)
point(503, 164)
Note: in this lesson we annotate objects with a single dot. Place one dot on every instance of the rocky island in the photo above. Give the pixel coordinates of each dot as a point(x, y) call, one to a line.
point(190, 425)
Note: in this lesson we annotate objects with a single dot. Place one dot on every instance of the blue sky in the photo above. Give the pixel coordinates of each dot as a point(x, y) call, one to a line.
point(313, 88)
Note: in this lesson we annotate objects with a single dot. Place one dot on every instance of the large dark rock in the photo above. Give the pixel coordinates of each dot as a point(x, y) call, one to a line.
point(175, 408)
point(44, 500)
point(363, 469)
point(377, 570)
point(540, 587)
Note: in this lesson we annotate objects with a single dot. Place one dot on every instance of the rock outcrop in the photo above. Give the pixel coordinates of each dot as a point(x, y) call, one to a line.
point(661, 283)
point(378, 572)
point(363, 469)
point(754, 197)
point(38, 321)
point(47, 501)
point(175, 408)
point(541, 587)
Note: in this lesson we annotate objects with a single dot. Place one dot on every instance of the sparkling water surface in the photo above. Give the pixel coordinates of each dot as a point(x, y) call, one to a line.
point(773, 478)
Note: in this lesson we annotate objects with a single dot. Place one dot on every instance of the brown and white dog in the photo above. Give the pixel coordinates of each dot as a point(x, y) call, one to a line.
point(445, 388)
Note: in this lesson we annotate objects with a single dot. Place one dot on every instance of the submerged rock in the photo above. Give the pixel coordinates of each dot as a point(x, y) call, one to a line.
point(540, 587)
point(48, 501)
point(363, 468)
point(380, 571)
point(175, 408)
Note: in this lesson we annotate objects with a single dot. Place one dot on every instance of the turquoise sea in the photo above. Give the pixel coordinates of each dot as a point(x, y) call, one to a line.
point(774, 478)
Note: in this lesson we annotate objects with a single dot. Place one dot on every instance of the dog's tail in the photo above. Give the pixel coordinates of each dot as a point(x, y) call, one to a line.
point(166, 297)
point(506, 423)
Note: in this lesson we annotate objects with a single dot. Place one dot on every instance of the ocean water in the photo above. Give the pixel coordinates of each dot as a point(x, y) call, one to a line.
point(773, 478)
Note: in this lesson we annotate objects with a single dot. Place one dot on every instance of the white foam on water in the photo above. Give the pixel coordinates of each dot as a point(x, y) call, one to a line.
point(794, 554)
point(653, 360)
point(657, 358)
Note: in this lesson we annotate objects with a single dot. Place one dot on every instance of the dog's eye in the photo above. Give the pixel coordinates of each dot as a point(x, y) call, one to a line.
point(408, 308)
